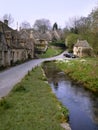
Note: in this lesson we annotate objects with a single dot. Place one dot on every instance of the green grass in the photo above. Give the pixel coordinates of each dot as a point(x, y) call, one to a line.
point(82, 71)
point(31, 105)
point(51, 51)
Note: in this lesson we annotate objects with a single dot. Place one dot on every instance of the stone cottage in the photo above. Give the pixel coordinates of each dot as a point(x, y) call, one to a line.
point(27, 42)
point(40, 41)
point(82, 49)
point(14, 46)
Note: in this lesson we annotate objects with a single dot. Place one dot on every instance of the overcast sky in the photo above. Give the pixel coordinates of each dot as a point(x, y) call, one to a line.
point(54, 10)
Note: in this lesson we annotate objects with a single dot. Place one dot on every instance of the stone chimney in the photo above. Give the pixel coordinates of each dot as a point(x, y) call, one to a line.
point(31, 34)
point(6, 21)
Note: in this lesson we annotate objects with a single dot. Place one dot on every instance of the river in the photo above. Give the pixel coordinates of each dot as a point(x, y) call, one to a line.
point(82, 105)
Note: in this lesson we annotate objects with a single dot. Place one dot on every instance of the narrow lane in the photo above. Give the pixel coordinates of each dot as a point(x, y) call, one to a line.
point(12, 76)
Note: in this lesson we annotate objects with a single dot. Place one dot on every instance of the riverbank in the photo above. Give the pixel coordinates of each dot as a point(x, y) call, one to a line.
point(82, 71)
point(32, 105)
point(71, 96)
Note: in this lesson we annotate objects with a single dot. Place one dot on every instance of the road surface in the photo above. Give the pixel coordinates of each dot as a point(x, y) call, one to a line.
point(12, 76)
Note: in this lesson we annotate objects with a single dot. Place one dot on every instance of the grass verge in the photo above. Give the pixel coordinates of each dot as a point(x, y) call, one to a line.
point(82, 71)
point(31, 105)
point(51, 51)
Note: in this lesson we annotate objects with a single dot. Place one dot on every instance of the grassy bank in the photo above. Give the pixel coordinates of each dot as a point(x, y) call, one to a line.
point(51, 51)
point(82, 71)
point(31, 105)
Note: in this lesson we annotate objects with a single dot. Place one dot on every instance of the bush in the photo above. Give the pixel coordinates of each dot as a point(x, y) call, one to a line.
point(71, 40)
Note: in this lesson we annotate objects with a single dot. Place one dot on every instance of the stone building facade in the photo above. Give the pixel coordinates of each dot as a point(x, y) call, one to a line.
point(23, 44)
point(14, 46)
point(82, 49)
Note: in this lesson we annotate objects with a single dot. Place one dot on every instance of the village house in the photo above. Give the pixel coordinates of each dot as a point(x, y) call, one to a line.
point(16, 46)
point(27, 42)
point(13, 46)
point(82, 49)
point(42, 40)
point(41, 44)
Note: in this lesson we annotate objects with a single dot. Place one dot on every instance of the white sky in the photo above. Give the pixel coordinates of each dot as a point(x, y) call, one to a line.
point(54, 10)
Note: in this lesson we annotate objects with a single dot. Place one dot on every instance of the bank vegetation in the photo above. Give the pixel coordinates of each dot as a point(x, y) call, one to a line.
point(82, 71)
point(31, 105)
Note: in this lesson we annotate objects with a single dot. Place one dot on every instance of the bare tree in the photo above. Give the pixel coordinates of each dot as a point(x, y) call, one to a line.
point(94, 20)
point(25, 25)
point(42, 25)
point(80, 25)
point(9, 18)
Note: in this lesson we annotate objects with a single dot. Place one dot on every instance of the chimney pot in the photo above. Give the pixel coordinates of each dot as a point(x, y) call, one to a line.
point(6, 21)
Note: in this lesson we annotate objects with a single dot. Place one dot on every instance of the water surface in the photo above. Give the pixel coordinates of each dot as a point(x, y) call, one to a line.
point(82, 105)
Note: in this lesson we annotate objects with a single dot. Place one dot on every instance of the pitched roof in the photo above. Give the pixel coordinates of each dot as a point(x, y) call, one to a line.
point(13, 35)
point(82, 43)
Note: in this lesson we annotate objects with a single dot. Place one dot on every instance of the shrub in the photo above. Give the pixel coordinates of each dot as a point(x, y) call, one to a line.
point(70, 41)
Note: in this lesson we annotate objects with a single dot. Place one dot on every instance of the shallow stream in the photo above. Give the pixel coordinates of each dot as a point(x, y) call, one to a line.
point(82, 105)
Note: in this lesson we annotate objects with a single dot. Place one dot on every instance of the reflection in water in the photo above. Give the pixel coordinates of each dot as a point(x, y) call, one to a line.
point(55, 82)
point(82, 105)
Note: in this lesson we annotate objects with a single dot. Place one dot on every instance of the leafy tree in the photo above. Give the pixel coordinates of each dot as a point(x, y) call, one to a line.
point(42, 25)
point(86, 28)
point(66, 32)
point(71, 40)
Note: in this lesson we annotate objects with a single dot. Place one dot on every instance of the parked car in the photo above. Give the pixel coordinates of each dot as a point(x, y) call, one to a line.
point(70, 55)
